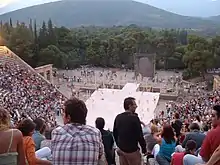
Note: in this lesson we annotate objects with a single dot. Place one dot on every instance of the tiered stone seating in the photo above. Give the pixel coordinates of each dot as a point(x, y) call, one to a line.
point(33, 95)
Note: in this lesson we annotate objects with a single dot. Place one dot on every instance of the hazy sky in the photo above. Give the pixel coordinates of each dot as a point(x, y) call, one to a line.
point(10, 5)
point(22, 3)
point(202, 8)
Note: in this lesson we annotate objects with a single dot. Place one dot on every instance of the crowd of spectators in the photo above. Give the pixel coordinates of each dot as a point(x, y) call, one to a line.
point(197, 110)
point(195, 125)
point(25, 94)
point(188, 137)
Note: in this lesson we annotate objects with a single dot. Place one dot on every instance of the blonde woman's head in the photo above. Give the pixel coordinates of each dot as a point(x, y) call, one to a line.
point(4, 119)
point(154, 129)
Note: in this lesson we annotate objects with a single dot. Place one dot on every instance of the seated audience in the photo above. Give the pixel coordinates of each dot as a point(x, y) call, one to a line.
point(167, 146)
point(27, 128)
point(25, 94)
point(190, 148)
point(194, 134)
point(31, 104)
point(47, 141)
point(210, 143)
point(38, 136)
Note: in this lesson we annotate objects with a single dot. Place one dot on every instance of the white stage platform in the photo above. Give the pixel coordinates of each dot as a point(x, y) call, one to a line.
point(108, 103)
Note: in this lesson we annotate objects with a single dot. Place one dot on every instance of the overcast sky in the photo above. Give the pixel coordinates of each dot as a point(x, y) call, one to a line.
point(202, 8)
point(22, 3)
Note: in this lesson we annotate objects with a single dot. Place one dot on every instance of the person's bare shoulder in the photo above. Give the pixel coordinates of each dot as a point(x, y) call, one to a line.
point(17, 133)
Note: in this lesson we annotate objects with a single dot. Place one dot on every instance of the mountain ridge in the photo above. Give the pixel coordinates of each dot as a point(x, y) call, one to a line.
point(186, 7)
point(215, 18)
point(106, 13)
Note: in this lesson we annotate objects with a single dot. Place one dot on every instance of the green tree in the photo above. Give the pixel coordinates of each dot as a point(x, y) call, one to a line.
point(198, 57)
point(43, 36)
point(20, 42)
point(10, 23)
point(110, 47)
point(51, 55)
point(51, 35)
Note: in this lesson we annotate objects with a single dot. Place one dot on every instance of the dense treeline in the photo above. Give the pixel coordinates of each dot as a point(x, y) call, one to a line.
point(110, 47)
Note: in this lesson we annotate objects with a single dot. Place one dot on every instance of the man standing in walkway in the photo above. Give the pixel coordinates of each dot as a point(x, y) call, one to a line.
point(128, 133)
point(107, 140)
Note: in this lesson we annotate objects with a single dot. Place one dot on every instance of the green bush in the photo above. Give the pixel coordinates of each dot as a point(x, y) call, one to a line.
point(188, 73)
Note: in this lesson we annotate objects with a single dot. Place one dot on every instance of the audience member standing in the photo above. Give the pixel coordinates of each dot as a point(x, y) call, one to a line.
point(128, 133)
point(107, 140)
point(177, 125)
point(75, 142)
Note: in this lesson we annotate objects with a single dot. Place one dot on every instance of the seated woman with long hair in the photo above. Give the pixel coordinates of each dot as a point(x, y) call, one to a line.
point(27, 128)
point(11, 151)
point(167, 146)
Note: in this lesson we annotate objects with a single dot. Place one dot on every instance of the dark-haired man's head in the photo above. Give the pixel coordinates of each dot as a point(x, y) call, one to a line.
point(176, 115)
point(48, 133)
point(206, 128)
point(75, 111)
point(194, 126)
point(190, 147)
point(216, 116)
point(100, 123)
point(40, 125)
point(27, 127)
point(130, 104)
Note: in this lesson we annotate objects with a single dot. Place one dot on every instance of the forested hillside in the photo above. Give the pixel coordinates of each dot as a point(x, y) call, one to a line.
point(75, 13)
point(110, 47)
point(215, 18)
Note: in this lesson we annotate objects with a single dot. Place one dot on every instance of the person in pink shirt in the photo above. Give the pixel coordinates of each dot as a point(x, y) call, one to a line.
point(177, 158)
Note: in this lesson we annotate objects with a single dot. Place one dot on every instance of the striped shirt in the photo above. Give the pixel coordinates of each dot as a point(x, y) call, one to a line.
point(76, 144)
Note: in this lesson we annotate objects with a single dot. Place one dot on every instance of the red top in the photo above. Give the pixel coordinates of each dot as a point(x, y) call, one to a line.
point(182, 137)
point(210, 143)
point(178, 158)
